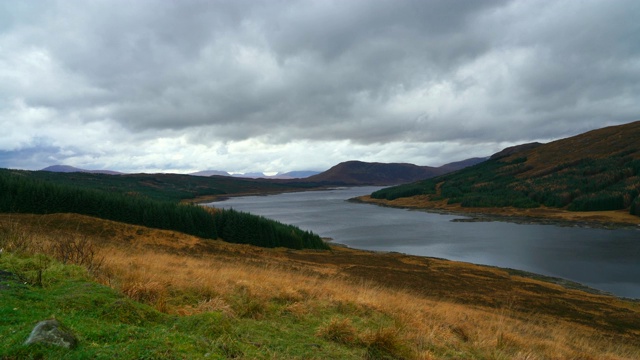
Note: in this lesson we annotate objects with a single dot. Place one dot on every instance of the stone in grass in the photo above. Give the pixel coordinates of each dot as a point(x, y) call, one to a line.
point(51, 332)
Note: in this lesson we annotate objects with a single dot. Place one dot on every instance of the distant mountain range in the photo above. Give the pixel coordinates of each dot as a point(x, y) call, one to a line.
point(253, 175)
point(350, 173)
point(71, 169)
point(210, 173)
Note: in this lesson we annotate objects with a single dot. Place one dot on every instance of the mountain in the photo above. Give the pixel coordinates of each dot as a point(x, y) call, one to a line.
point(71, 169)
point(515, 149)
point(281, 176)
point(297, 174)
point(597, 170)
point(365, 173)
point(458, 165)
point(210, 173)
point(258, 175)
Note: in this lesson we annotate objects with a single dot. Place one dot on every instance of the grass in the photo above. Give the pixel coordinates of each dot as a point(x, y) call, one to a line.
point(161, 294)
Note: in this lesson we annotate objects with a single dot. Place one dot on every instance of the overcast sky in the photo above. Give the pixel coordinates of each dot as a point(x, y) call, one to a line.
point(181, 86)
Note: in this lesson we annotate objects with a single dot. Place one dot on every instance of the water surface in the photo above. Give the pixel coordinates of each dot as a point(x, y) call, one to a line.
point(608, 260)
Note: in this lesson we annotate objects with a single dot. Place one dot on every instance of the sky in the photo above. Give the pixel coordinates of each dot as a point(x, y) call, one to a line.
point(268, 86)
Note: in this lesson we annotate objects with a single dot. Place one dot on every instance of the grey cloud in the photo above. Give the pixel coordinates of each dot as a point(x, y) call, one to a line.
point(367, 72)
point(177, 57)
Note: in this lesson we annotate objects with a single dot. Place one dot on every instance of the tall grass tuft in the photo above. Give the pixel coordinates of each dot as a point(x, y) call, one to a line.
point(340, 330)
point(386, 343)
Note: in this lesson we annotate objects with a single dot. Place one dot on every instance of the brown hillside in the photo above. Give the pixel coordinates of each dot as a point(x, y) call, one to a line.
point(435, 309)
point(364, 173)
point(596, 144)
point(593, 177)
point(438, 279)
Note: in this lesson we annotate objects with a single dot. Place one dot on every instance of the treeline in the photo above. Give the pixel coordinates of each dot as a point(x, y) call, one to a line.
point(21, 194)
point(162, 187)
point(244, 228)
point(611, 183)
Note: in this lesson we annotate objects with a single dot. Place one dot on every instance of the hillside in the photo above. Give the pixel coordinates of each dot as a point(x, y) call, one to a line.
point(23, 194)
point(595, 171)
point(146, 293)
point(358, 173)
point(166, 187)
point(458, 165)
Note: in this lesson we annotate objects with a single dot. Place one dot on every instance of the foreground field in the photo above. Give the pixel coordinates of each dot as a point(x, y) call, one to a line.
point(178, 296)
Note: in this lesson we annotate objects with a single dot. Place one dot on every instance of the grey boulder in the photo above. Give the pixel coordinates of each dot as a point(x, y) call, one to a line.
point(51, 332)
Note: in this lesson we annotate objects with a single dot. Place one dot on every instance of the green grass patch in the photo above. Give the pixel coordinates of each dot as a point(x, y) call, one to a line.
point(109, 325)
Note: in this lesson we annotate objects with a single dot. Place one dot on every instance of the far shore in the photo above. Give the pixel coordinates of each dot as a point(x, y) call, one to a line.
point(207, 199)
point(617, 219)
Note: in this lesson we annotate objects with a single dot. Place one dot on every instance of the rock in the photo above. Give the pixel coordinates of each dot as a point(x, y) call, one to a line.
point(51, 332)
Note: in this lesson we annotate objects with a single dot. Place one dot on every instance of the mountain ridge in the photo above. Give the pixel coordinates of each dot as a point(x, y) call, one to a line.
point(70, 169)
point(351, 173)
point(360, 173)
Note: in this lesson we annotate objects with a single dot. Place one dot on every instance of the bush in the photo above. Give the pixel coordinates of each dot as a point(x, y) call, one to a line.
point(635, 207)
point(601, 201)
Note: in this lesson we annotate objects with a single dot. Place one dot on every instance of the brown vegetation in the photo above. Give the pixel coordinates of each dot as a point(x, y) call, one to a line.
point(568, 180)
point(596, 144)
point(439, 308)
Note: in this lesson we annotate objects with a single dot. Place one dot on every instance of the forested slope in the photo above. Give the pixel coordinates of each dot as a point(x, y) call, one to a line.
point(170, 187)
point(23, 194)
point(598, 170)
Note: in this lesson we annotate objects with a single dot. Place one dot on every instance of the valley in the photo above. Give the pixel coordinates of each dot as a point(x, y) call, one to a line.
point(170, 279)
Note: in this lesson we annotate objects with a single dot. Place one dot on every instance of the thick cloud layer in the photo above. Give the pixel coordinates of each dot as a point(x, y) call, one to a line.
point(292, 85)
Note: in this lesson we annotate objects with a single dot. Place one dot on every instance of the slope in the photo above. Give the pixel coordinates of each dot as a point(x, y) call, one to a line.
point(165, 187)
point(218, 300)
point(595, 171)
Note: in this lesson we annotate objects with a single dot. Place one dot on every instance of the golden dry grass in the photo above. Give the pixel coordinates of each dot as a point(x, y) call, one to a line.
point(439, 309)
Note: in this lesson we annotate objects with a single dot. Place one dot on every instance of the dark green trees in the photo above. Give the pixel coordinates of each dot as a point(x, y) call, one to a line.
point(244, 228)
point(609, 183)
point(21, 194)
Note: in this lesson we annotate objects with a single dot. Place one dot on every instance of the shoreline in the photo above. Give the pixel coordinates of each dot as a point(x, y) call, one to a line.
point(611, 220)
point(207, 199)
point(336, 247)
point(563, 282)
point(473, 215)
